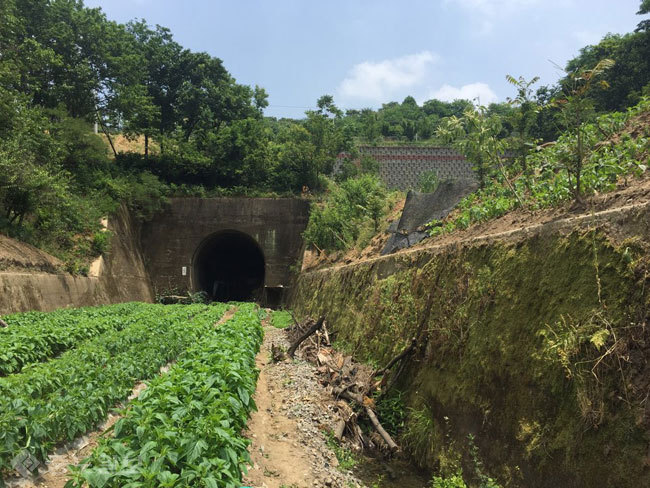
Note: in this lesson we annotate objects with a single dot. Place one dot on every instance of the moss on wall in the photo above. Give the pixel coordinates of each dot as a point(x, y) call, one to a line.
point(536, 347)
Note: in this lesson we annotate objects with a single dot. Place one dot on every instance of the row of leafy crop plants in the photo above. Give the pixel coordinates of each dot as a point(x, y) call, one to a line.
point(183, 430)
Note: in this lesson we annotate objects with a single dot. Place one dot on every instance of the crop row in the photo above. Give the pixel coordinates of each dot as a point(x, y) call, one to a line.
point(185, 428)
point(37, 336)
point(59, 400)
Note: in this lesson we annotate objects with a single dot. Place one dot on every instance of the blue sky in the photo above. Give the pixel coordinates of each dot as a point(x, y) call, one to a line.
point(366, 53)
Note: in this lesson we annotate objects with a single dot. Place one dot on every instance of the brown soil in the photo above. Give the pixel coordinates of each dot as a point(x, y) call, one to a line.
point(20, 256)
point(276, 458)
point(288, 446)
point(123, 144)
point(230, 313)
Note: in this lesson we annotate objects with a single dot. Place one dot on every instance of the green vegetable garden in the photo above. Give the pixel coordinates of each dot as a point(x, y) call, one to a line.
point(64, 371)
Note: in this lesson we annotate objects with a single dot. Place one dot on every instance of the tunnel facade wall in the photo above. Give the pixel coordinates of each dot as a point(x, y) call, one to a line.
point(171, 239)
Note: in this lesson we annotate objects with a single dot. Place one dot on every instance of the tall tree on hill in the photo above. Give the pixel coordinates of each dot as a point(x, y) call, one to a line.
point(161, 78)
point(644, 9)
point(328, 133)
point(629, 78)
point(209, 97)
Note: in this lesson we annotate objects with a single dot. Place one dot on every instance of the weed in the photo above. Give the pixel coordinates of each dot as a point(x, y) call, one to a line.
point(344, 456)
point(454, 481)
point(281, 319)
point(392, 412)
point(101, 241)
point(420, 432)
point(585, 351)
point(484, 480)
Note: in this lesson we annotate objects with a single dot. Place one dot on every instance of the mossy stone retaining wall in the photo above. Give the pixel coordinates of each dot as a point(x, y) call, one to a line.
point(533, 349)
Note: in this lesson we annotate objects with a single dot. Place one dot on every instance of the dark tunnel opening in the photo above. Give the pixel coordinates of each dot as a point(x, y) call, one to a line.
point(230, 266)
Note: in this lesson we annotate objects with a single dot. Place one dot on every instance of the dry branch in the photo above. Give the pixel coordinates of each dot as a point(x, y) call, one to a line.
point(378, 427)
point(292, 350)
point(350, 381)
point(408, 350)
point(339, 428)
point(361, 401)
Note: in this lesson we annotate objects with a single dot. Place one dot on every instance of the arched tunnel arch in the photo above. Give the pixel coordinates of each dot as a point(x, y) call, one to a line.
point(229, 265)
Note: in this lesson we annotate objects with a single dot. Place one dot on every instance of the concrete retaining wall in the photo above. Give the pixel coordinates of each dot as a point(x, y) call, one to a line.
point(28, 281)
point(401, 166)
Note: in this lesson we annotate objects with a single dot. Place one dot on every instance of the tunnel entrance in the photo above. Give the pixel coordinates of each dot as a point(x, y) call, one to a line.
point(229, 265)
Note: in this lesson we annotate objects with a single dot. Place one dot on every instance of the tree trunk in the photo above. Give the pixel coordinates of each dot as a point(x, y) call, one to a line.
point(107, 134)
point(314, 328)
point(579, 165)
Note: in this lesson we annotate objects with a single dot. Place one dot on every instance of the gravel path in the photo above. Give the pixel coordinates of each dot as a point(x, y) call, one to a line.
point(288, 431)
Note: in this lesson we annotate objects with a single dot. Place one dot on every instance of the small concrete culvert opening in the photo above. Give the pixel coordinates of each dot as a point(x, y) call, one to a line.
point(229, 265)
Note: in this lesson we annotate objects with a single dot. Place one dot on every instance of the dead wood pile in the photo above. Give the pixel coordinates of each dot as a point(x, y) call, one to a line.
point(352, 384)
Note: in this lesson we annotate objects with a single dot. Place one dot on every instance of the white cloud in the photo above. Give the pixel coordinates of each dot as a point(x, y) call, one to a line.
point(493, 7)
point(489, 12)
point(378, 81)
point(389, 80)
point(480, 91)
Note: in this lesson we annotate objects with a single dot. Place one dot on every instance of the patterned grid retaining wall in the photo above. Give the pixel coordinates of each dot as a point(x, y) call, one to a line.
point(401, 166)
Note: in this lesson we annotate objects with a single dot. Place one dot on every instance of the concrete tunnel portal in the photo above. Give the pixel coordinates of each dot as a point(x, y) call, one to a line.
point(229, 265)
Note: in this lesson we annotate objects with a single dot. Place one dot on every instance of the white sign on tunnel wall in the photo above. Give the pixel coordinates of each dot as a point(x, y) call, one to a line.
point(184, 270)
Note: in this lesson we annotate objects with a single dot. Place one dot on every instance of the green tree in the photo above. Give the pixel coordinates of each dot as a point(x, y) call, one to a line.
point(370, 125)
point(627, 80)
point(161, 77)
point(329, 136)
point(477, 135)
point(354, 205)
point(576, 109)
point(523, 118)
point(297, 162)
point(644, 8)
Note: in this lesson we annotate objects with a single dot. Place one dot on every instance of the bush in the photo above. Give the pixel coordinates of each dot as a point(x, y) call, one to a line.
point(613, 155)
point(101, 242)
point(429, 181)
point(337, 222)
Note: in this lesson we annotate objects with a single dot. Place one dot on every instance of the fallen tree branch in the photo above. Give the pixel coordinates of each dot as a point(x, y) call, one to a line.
point(344, 393)
point(339, 428)
point(327, 336)
point(293, 317)
point(408, 350)
point(392, 380)
point(292, 350)
point(348, 395)
point(378, 427)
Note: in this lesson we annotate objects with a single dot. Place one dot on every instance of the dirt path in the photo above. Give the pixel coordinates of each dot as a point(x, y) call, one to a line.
point(288, 444)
